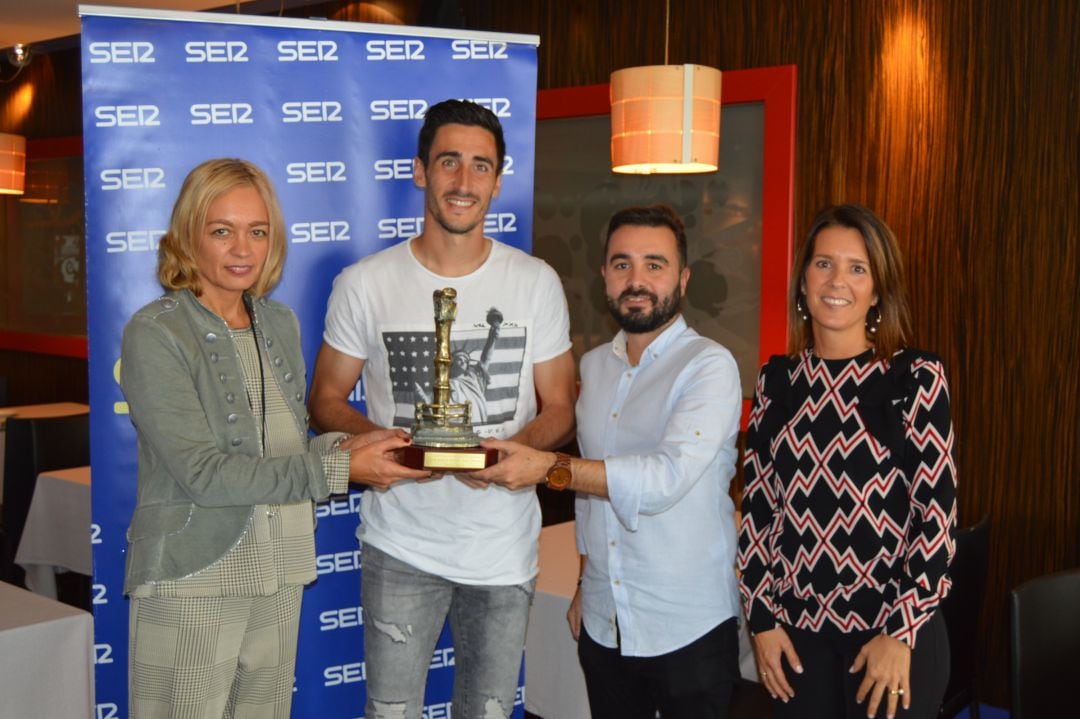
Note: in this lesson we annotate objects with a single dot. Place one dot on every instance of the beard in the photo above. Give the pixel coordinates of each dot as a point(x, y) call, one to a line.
point(452, 226)
point(637, 321)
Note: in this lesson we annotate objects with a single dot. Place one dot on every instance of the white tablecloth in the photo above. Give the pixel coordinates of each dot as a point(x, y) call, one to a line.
point(33, 411)
point(554, 683)
point(57, 532)
point(46, 657)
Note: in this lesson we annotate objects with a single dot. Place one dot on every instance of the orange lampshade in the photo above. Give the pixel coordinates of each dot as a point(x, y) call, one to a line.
point(12, 164)
point(665, 119)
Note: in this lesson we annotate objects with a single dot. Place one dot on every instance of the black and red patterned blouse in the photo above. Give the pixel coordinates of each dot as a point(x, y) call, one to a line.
point(849, 510)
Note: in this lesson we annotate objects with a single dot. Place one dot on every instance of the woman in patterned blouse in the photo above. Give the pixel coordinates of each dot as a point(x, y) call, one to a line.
point(849, 509)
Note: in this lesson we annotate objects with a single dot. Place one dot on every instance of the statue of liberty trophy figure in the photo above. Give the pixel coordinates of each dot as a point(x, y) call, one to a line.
point(443, 436)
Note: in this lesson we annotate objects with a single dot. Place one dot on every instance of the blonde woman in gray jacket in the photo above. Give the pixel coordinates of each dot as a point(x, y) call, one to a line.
point(222, 539)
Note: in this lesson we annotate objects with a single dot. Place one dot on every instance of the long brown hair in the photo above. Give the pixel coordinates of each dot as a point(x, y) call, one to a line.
point(177, 268)
point(886, 269)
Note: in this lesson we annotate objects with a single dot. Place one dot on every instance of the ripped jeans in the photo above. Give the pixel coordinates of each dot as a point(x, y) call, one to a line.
point(404, 612)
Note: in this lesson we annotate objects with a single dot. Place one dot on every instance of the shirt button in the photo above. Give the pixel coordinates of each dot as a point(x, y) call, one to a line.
point(211, 337)
point(614, 415)
point(617, 583)
point(237, 441)
point(613, 542)
point(231, 419)
point(629, 375)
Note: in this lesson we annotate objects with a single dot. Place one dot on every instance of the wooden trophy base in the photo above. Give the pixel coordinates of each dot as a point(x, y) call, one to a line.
point(448, 459)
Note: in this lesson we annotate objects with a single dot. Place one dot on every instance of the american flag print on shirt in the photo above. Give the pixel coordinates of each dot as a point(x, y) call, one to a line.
point(411, 357)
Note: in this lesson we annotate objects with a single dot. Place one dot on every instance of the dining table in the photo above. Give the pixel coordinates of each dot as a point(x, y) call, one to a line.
point(33, 411)
point(56, 537)
point(46, 657)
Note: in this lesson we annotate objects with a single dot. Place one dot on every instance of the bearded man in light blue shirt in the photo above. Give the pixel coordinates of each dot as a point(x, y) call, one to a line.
point(657, 418)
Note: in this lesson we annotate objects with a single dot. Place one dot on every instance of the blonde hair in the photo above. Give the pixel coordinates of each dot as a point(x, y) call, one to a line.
point(886, 268)
point(210, 180)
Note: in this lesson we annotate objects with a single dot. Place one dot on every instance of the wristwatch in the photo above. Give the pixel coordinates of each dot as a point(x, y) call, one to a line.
point(559, 474)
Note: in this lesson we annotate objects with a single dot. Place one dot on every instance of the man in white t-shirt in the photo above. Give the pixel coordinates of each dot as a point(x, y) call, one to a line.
point(452, 546)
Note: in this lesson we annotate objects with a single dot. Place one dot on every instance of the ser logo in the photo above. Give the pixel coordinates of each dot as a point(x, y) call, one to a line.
point(133, 241)
point(103, 654)
point(133, 178)
point(106, 710)
point(344, 674)
point(442, 658)
point(323, 231)
point(307, 51)
point(478, 50)
point(339, 507)
point(216, 51)
point(221, 113)
point(344, 618)
point(399, 169)
point(315, 172)
point(127, 116)
point(311, 111)
point(121, 53)
point(398, 109)
point(402, 168)
point(395, 49)
point(498, 105)
point(338, 562)
point(499, 222)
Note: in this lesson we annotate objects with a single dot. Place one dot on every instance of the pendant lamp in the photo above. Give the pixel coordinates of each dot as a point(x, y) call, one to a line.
point(665, 118)
point(12, 164)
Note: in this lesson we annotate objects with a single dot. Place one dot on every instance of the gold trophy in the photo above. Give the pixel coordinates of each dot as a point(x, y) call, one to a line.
point(443, 437)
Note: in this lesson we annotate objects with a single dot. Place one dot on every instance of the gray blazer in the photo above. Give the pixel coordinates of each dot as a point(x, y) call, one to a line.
point(200, 470)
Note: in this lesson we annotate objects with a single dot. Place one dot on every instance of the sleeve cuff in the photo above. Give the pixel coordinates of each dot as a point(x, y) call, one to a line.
point(624, 486)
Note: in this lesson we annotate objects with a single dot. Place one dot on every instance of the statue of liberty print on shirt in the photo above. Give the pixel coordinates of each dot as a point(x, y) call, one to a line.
point(486, 369)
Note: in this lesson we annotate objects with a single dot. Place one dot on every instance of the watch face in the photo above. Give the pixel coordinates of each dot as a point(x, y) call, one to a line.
point(559, 477)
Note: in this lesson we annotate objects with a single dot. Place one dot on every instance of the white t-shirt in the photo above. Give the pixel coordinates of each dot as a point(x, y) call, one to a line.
point(381, 310)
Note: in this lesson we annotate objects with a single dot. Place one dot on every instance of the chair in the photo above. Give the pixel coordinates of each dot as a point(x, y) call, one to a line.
point(34, 446)
point(961, 613)
point(1045, 642)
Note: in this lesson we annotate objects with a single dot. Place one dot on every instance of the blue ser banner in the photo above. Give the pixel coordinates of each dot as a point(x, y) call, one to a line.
point(331, 111)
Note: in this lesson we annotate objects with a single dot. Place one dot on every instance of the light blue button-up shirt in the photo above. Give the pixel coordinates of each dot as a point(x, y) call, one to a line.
point(661, 550)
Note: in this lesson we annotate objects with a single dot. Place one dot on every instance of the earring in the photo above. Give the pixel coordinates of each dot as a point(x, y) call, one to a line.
point(800, 309)
point(872, 324)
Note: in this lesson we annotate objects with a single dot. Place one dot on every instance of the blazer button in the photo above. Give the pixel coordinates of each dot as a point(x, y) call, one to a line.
point(231, 419)
point(211, 337)
point(230, 397)
point(299, 397)
point(213, 356)
point(269, 342)
point(168, 303)
point(222, 377)
point(287, 377)
point(277, 361)
point(236, 441)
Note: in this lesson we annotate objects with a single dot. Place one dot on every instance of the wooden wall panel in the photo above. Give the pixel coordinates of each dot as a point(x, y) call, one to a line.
point(957, 121)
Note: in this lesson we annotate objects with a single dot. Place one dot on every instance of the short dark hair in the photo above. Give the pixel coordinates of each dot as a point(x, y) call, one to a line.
point(649, 216)
point(886, 267)
point(459, 112)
